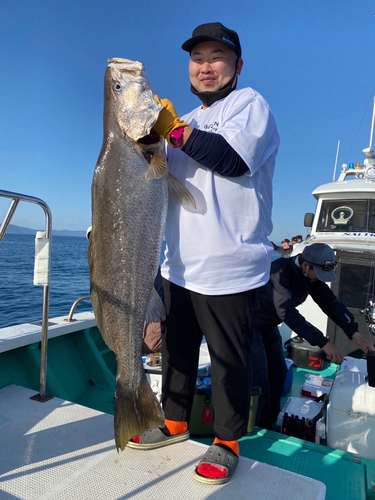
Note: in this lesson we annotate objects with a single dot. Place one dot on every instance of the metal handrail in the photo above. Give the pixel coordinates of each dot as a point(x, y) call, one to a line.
point(73, 308)
point(16, 198)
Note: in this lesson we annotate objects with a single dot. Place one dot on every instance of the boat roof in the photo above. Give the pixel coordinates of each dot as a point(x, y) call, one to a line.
point(345, 187)
point(350, 181)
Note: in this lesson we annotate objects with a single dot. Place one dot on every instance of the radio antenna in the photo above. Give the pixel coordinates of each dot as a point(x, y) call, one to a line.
point(337, 155)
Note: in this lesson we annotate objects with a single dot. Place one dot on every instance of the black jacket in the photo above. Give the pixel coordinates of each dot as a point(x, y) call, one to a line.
point(286, 289)
point(284, 252)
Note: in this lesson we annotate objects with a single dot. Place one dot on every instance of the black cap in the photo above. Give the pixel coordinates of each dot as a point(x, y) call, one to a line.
point(285, 240)
point(213, 32)
point(322, 258)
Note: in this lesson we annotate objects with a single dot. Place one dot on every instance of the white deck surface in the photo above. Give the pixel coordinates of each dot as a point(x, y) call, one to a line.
point(59, 450)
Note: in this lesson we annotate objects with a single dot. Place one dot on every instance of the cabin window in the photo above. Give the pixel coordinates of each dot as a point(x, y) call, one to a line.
point(371, 218)
point(354, 285)
point(346, 215)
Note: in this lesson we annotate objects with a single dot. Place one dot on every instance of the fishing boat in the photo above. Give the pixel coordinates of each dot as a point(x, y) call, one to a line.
point(57, 382)
point(345, 219)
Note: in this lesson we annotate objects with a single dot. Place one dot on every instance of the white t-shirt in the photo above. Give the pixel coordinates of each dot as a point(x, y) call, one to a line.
point(222, 246)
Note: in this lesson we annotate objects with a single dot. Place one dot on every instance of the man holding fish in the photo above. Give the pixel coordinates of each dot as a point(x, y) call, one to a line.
point(218, 253)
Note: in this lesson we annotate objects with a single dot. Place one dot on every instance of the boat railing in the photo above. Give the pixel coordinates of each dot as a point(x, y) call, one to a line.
point(16, 198)
point(69, 319)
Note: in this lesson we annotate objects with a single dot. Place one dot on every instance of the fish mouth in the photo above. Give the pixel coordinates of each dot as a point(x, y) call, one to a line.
point(151, 138)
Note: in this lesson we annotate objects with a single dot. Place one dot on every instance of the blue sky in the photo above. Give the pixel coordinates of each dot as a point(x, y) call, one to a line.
point(312, 60)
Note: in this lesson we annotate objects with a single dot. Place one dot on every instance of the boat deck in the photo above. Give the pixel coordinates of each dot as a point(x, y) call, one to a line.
point(60, 450)
point(82, 370)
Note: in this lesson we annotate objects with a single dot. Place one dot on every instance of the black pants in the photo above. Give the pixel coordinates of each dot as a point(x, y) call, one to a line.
point(226, 323)
point(269, 372)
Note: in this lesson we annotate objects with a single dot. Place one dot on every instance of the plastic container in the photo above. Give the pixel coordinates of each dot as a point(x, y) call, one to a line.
point(153, 360)
point(299, 418)
point(315, 386)
point(351, 414)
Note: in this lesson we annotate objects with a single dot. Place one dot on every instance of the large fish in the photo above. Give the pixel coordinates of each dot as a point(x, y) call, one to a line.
point(129, 206)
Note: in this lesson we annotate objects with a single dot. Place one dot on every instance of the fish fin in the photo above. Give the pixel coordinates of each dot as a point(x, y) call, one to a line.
point(157, 168)
point(179, 192)
point(136, 411)
point(156, 310)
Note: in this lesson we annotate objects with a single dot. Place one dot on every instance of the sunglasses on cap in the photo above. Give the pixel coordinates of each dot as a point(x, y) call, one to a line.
point(329, 265)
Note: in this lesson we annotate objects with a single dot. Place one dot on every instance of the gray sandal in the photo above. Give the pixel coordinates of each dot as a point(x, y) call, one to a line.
point(218, 455)
point(155, 438)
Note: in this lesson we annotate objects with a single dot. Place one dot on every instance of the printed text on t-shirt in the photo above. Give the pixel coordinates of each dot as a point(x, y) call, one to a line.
point(212, 127)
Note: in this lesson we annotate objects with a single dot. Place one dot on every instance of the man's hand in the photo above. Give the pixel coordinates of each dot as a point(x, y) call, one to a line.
point(168, 119)
point(362, 343)
point(334, 354)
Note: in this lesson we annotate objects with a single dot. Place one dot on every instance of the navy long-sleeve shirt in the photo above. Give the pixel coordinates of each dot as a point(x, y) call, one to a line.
point(215, 153)
point(288, 288)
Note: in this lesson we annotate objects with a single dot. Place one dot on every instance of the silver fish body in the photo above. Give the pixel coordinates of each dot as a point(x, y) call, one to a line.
point(129, 206)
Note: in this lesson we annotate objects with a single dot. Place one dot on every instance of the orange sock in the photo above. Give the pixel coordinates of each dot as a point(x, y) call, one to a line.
point(233, 445)
point(175, 427)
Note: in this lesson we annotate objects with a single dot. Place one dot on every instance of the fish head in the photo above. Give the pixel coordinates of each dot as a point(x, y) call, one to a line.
point(132, 97)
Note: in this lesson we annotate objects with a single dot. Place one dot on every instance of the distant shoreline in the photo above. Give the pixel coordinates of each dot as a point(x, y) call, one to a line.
point(13, 229)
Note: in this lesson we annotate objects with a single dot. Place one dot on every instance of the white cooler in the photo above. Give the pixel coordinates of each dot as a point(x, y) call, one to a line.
point(354, 364)
point(351, 414)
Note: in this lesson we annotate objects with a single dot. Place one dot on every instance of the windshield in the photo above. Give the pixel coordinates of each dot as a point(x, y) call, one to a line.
point(347, 216)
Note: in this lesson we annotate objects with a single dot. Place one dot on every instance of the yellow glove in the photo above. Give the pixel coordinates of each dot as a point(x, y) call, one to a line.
point(168, 119)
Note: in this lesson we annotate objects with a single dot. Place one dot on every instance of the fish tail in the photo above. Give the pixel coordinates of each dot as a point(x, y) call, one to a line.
point(136, 411)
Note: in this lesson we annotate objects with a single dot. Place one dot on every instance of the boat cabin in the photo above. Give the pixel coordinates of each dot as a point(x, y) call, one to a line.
point(345, 220)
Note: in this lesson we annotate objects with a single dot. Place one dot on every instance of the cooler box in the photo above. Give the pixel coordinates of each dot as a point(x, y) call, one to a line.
point(255, 409)
point(152, 364)
point(153, 375)
point(315, 386)
point(304, 355)
point(351, 414)
point(354, 364)
point(202, 414)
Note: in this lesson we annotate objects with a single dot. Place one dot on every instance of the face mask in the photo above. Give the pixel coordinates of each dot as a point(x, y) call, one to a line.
point(209, 98)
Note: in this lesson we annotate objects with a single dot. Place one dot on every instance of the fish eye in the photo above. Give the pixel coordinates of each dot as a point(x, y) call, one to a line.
point(117, 86)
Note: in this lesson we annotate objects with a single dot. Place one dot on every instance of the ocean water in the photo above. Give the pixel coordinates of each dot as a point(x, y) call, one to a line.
point(21, 301)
